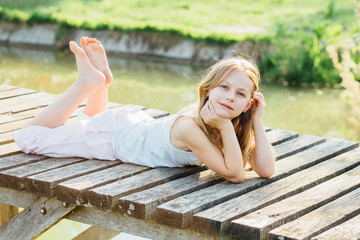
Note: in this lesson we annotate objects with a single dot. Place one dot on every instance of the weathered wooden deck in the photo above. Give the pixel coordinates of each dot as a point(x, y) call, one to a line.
point(314, 193)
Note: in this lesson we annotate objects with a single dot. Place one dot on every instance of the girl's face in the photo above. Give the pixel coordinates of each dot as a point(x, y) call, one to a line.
point(232, 96)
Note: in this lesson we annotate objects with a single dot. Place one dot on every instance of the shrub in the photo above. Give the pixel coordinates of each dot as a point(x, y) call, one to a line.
point(301, 57)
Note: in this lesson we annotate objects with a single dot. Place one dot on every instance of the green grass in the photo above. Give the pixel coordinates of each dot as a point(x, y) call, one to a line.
point(220, 21)
point(297, 31)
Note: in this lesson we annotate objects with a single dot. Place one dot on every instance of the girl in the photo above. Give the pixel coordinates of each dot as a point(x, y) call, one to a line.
point(221, 131)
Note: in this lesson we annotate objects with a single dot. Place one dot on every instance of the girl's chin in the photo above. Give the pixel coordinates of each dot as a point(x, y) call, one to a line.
point(226, 115)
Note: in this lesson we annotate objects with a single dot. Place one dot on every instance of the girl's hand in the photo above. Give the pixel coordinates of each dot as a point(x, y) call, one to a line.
point(211, 118)
point(259, 105)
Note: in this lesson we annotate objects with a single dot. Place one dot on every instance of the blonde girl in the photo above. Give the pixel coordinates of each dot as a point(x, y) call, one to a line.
point(224, 130)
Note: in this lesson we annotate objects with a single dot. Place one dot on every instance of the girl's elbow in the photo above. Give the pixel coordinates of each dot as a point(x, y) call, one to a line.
point(267, 174)
point(236, 179)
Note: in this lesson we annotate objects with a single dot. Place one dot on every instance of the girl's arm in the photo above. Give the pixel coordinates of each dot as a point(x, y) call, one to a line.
point(262, 158)
point(229, 163)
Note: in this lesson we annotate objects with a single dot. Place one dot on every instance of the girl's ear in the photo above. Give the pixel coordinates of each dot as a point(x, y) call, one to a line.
point(249, 105)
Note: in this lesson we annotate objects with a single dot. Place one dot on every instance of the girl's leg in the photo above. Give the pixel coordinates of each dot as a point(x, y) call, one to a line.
point(97, 100)
point(89, 79)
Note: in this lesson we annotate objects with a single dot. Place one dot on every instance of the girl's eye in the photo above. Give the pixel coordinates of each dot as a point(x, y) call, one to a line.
point(241, 94)
point(224, 86)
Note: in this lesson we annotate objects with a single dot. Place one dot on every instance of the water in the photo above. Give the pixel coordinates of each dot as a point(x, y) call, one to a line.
point(170, 87)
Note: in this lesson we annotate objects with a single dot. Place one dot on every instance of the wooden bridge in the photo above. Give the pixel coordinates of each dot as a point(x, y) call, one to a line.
point(314, 193)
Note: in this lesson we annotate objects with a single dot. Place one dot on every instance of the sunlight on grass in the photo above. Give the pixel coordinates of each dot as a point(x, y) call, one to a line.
point(194, 19)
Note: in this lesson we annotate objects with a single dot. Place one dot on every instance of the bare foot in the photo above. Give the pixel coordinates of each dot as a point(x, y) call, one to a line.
point(97, 56)
point(89, 77)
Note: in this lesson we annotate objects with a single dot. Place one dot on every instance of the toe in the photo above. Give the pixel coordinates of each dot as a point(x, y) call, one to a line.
point(92, 40)
point(75, 48)
point(72, 46)
point(83, 42)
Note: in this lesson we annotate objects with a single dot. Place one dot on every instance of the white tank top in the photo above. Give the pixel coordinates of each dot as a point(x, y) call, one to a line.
point(140, 139)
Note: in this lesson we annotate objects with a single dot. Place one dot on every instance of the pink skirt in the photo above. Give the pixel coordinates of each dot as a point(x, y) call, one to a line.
point(89, 138)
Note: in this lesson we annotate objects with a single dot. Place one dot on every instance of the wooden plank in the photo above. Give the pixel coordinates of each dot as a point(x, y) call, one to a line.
point(35, 219)
point(7, 212)
point(44, 183)
point(19, 160)
point(296, 145)
point(12, 126)
point(10, 117)
point(143, 204)
point(107, 197)
point(26, 102)
point(6, 87)
point(257, 225)
point(155, 113)
point(18, 123)
point(15, 177)
point(25, 98)
point(6, 138)
point(8, 149)
point(216, 220)
point(26, 114)
point(347, 230)
point(17, 198)
point(15, 92)
point(116, 221)
point(277, 136)
point(76, 190)
point(179, 212)
point(321, 219)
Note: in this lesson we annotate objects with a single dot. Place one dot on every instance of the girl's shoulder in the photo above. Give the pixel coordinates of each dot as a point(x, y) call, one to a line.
point(185, 124)
point(183, 131)
point(186, 120)
point(187, 112)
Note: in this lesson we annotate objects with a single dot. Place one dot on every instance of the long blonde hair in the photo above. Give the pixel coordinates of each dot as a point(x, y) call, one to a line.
point(215, 75)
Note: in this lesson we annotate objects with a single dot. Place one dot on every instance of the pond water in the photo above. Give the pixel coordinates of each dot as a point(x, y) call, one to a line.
point(170, 87)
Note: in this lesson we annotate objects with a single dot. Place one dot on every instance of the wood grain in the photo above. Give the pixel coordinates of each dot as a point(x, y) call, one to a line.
point(15, 177)
point(296, 145)
point(19, 160)
point(35, 219)
point(258, 224)
point(321, 219)
point(347, 230)
point(6, 87)
point(8, 149)
point(107, 197)
point(76, 190)
point(143, 204)
point(26, 102)
point(44, 183)
point(217, 219)
point(15, 92)
point(277, 136)
point(179, 212)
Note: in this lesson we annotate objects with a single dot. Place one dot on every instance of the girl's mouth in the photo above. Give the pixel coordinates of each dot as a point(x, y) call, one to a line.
point(226, 106)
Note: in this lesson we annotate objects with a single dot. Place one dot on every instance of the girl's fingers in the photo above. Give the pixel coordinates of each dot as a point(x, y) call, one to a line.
point(211, 107)
point(205, 111)
point(259, 98)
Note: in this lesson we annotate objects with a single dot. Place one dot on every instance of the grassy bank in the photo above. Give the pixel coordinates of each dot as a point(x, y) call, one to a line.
point(298, 30)
point(214, 20)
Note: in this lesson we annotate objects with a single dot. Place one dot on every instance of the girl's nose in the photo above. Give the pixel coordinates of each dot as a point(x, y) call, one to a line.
point(230, 97)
